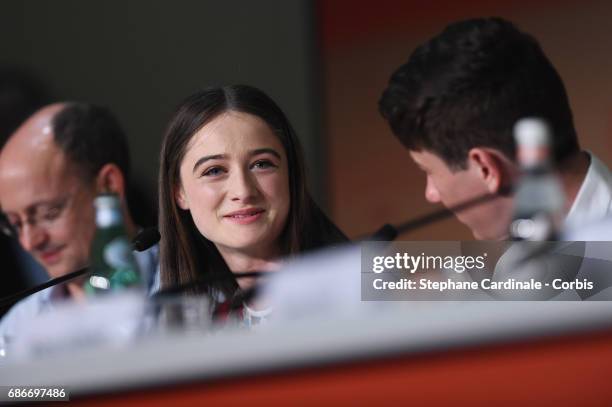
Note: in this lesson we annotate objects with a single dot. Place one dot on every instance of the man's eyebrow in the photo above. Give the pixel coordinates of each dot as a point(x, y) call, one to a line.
point(202, 160)
point(265, 150)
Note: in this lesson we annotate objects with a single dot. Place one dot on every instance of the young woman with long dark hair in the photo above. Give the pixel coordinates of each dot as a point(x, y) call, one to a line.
point(232, 191)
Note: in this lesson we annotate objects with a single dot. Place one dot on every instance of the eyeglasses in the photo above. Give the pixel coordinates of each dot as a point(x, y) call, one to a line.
point(43, 215)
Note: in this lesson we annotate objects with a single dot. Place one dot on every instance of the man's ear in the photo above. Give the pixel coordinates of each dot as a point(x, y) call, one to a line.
point(179, 197)
point(493, 167)
point(111, 179)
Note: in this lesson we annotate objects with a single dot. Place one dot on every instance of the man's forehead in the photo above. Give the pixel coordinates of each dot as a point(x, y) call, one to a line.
point(32, 142)
point(40, 178)
point(424, 158)
point(45, 159)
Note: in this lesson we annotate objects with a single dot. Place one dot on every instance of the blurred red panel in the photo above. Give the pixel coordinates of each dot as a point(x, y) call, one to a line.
point(345, 22)
point(566, 371)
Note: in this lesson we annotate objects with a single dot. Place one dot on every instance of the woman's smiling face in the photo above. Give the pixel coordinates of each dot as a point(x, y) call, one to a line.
point(235, 182)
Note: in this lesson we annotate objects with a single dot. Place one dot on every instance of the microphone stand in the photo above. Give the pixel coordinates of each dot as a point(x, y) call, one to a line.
point(389, 232)
point(13, 298)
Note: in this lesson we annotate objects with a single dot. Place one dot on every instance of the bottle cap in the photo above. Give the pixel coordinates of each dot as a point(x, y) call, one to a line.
point(106, 201)
point(531, 132)
point(533, 140)
point(108, 210)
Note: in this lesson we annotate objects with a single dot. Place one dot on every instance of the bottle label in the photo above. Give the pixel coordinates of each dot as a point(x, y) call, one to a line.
point(108, 217)
point(118, 253)
point(533, 156)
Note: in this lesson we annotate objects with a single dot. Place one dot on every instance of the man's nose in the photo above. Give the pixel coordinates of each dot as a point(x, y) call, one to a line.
point(431, 192)
point(32, 237)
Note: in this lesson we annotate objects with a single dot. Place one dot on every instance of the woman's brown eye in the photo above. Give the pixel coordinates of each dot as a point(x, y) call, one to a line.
point(263, 164)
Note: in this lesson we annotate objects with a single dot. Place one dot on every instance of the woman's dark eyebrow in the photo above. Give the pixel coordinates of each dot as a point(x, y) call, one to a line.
point(266, 150)
point(206, 158)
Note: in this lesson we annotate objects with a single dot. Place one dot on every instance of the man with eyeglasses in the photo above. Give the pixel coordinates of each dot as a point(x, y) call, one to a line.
point(51, 169)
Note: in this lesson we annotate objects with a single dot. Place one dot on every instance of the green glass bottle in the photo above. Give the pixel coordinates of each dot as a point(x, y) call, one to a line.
point(112, 263)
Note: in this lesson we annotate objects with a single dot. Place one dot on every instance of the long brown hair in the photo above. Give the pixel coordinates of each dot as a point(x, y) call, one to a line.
point(185, 254)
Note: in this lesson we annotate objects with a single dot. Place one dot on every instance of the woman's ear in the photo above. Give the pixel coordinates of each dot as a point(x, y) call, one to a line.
point(110, 179)
point(179, 197)
point(492, 167)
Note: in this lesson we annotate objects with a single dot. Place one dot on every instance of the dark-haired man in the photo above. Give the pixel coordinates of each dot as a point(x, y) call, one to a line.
point(454, 105)
point(51, 169)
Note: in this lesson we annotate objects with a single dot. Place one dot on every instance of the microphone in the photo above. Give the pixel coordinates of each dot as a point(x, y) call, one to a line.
point(146, 239)
point(386, 233)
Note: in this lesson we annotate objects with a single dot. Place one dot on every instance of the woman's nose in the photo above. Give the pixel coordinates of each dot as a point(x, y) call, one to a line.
point(243, 186)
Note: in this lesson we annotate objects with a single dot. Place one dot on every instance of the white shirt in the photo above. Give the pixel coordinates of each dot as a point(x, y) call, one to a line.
point(594, 199)
point(593, 203)
point(44, 301)
point(593, 206)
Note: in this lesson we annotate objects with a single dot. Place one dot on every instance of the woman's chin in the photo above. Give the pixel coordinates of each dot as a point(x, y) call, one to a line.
point(244, 244)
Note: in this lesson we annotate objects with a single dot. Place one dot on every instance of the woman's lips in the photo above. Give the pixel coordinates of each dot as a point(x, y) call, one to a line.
point(245, 217)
